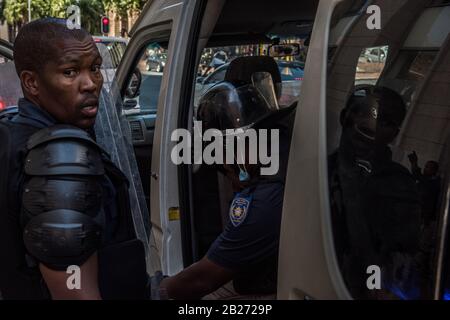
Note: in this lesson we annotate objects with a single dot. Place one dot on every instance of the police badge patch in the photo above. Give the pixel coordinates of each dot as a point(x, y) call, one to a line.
point(239, 208)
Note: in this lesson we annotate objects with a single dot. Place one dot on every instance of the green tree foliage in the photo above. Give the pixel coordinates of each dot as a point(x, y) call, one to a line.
point(15, 12)
point(91, 13)
point(2, 15)
point(124, 6)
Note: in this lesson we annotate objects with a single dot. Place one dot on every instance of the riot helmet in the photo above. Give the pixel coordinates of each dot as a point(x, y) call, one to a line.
point(235, 107)
point(239, 105)
point(374, 114)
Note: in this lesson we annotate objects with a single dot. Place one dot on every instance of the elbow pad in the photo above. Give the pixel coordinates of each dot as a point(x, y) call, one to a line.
point(62, 197)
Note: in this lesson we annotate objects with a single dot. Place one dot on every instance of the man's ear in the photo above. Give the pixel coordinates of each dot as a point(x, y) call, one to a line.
point(29, 82)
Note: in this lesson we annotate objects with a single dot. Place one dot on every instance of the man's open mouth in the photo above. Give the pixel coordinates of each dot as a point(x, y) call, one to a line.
point(90, 110)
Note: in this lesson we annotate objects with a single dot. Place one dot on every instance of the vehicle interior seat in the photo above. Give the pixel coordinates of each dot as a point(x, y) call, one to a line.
point(241, 70)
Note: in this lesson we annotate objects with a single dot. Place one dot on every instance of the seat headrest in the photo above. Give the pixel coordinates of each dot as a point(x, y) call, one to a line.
point(242, 68)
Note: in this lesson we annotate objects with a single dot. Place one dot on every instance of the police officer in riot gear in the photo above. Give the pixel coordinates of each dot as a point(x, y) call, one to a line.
point(246, 252)
point(375, 204)
point(65, 204)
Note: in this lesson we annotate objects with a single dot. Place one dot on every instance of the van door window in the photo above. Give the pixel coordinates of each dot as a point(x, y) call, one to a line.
point(215, 61)
point(150, 67)
point(141, 103)
point(388, 133)
point(10, 89)
point(371, 63)
point(409, 71)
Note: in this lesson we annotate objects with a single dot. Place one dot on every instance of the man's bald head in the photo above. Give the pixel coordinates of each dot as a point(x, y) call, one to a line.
point(35, 44)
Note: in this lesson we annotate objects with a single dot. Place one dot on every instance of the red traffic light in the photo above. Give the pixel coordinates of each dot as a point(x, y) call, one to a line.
point(105, 25)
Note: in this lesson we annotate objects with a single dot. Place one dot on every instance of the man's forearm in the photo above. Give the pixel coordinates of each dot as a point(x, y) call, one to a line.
point(187, 284)
point(196, 281)
point(56, 282)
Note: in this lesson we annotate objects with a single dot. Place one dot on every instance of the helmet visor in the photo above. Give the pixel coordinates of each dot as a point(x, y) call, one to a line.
point(263, 82)
point(227, 107)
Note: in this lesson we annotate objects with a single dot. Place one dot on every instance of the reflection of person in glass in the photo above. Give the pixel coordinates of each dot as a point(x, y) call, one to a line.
point(375, 203)
point(429, 184)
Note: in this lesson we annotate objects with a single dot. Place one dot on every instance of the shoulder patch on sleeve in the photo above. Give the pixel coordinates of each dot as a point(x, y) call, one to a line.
point(239, 209)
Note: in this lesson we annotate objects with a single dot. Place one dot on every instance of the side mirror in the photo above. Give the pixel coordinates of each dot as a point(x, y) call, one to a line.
point(284, 50)
point(134, 85)
point(129, 104)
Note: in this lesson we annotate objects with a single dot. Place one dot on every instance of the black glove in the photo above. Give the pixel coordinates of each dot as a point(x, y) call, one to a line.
point(158, 293)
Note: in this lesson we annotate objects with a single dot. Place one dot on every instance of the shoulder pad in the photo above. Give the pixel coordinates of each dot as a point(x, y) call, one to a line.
point(63, 150)
point(82, 194)
point(61, 238)
point(60, 131)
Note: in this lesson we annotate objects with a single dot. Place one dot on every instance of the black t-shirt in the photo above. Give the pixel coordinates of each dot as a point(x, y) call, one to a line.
point(249, 243)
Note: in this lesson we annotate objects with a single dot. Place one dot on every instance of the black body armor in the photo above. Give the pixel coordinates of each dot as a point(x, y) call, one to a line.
point(62, 198)
point(54, 211)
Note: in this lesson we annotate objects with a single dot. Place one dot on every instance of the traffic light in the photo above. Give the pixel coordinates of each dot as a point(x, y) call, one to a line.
point(105, 25)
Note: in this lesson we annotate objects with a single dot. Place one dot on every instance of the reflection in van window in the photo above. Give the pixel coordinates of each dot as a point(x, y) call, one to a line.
point(215, 62)
point(417, 65)
point(388, 137)
point(151, 67)
point(10, 89)
point(371, 63)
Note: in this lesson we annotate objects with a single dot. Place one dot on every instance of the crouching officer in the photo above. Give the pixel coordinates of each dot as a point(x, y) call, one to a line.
point(246, 252)
point(66, 209)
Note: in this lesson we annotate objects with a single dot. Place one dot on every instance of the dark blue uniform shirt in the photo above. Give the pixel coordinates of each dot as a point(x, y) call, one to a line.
point(249, 243)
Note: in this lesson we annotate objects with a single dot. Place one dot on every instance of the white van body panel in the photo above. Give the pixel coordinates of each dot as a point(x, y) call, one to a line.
point(164, 180)
point(301, 274)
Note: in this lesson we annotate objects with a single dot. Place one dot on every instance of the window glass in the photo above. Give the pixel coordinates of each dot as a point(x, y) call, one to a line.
point(111, 52)
point(117, 50)
point(214, 64)
point(148, 77)
point(409, 71)
point(417, 65)
point(10, 89)
point(371, 63)
point(387, 129)
point(291, 72)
